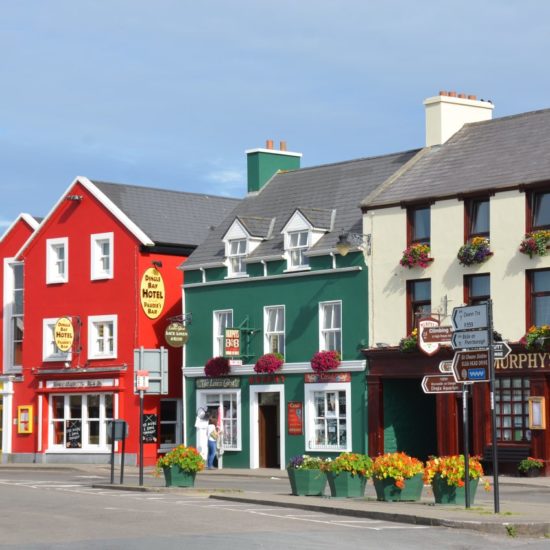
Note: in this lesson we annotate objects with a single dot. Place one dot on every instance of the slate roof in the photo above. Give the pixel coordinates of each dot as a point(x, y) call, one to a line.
point(169, 217)
point(316, 191)
point(256, 226)
point(497, 154)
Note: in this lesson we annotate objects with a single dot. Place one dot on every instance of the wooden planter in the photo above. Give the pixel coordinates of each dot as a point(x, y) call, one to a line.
point(307, 482)
point(344, 484)
point(449, 494)
point(387, 490)
point(176, 477)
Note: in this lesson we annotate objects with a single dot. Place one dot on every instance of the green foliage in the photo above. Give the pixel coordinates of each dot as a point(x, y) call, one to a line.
point(355, 463)
point(187, 458)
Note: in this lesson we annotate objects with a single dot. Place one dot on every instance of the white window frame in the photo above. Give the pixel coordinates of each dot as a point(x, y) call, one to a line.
point(269, 334)
point(163, 447)
point(201, 402)
point(10, 315)
point(217, 334)
point(239, 257)
point(97, 272)
point(309, 393)
point(323, 331)
point(52, 259)
point(299, 249)
point(93, 322)
point(49, 349)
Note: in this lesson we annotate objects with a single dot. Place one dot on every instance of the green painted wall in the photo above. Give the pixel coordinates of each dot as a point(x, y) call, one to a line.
point(261, 166)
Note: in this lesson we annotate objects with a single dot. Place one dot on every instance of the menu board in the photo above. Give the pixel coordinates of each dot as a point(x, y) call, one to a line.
point(295, 418)
point(149, 429)
point(73, 433)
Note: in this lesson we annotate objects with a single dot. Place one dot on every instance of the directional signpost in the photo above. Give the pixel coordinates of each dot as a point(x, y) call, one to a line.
point(471, 366)
point(441, 335)
point(440, 384)
point(501, 350)
point(446, 367)
point(470, 339)
point(470, 317)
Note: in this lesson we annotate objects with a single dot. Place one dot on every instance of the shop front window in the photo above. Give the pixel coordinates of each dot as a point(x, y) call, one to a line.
point(169, 423)
point(512, 409)
point(229, 405)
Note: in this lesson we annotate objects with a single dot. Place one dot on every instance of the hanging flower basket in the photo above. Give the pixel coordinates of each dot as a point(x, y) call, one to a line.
point(416, 255)
point(216, 366)
point(269, 363)
point(476, 251)
point(325, 360)
point(537, 338)
point(410, 343)
point(535, 243)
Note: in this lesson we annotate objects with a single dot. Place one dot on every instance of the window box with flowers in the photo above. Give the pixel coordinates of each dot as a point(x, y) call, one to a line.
point(269, 363)
point(416, 255)
point(531, 467)
point(409, 343)
point(535, 243)
point(306, 475)
point(537, 338)
point(398, 477)
point(180, 466)
point(217, 366)
point(325, 360)
point(347, 474)
point(477, 251)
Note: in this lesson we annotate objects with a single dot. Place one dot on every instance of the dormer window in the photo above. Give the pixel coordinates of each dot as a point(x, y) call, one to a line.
point(241, 239)
point(236, 256)
point(298, 244)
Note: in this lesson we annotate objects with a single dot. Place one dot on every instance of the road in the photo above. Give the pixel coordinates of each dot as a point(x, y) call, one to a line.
point(41, 510)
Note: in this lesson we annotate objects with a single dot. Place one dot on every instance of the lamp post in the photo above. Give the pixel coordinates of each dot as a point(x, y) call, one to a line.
point(348, 240)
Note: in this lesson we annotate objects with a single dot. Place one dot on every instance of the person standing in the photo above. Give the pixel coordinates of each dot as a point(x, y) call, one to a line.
point(212, 442)
point(201, 425)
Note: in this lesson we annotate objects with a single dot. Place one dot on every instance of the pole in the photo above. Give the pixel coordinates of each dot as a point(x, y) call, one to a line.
point(465, 432)
point(123, 452)
point(493, 411)
point(140, 438)
point(112, 451)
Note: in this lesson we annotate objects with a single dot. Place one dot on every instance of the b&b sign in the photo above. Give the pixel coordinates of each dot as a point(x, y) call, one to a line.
point(232, 342)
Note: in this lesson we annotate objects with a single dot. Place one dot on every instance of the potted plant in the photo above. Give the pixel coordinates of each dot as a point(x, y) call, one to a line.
point(398, 477)
point(447, 478)
point(409, 343)
point(269, 363)
point(416, 255)
point(347, 474)
point(537, 338)
point(535, 243)
point(325, 360)
point(531, 467)
point(180, 466)
point(476, 251)
point(306, 475)
point(216, 366)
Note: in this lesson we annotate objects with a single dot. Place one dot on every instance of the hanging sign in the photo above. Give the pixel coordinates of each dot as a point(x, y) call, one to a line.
point(232, 342)
point(295, 415)
point(428, 347)
point(152, 293)
point(176, 335)
point(63, 334)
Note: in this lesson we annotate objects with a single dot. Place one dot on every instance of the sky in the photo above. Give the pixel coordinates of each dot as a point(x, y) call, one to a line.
point(170, 93)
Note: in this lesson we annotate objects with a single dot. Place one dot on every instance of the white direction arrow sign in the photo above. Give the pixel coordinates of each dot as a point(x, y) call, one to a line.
point(446, 367)
point(501, 350)
point(470, 317)
point(470, 339)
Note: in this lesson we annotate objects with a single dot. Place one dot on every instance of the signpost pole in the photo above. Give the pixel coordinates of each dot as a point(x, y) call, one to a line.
point(140, 438)
point(112, 452)
point(123, 453)
point(465, 431)
point(493, 411)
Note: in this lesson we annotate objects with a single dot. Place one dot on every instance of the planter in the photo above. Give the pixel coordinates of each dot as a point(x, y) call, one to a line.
point(344, 484)
point(449, 494)
point(176, 477)
point(532, 472)
point(307, 482)
point(386, 489)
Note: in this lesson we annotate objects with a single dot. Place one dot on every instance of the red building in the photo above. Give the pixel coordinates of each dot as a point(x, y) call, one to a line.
point(101, 282)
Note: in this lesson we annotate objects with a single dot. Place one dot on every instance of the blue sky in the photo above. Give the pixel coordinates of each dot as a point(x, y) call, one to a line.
point(170, 93)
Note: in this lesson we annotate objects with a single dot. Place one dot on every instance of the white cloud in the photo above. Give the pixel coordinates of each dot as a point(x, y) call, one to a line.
point(228, 182)
point(5, 223)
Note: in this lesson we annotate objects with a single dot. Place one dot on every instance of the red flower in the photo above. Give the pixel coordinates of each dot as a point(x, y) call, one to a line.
point(216, 366)
point(325, 360)
point(269, 363)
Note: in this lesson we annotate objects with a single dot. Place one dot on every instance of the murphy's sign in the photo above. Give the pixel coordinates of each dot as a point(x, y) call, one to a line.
point(152, 293)
point(527, 362)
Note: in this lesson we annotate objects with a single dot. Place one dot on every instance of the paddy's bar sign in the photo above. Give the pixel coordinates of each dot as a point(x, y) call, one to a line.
point(151, 293)
point(232, 342)
point(63, 334)
point(524, 362)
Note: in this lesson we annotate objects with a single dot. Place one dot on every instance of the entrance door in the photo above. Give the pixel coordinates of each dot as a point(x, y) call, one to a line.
point(268, 428)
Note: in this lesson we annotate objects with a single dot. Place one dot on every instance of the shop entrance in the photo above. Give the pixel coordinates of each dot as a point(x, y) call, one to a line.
point(268, 430)
point(1, 423)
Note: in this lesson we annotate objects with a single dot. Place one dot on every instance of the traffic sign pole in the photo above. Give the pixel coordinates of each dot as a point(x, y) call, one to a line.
point(465, 431)
point(141, 438)
point(493, 411)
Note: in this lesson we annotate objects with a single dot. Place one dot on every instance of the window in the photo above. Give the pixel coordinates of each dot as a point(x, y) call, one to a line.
point(419, 225)
point(170, 433)
point(228, 403)
point(101, 247)
point(420, 305)
point(512, 409)
point(102, 337)
point(477, 289)
point(50, 352)
point(298, 242)
point(222, 320)
point(79, 421)
point(274, 323)
point(540, 211)
point(13, 308)
point(539, 311)
point(328, 420)
point(330, 320)
point(57, 258)
point(236, 256)
point(477, 218)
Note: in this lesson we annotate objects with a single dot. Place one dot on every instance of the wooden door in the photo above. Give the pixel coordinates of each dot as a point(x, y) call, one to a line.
point(268, 436)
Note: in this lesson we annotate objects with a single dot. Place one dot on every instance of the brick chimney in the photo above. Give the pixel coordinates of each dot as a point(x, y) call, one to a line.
point(449, 111)
point(262, 164)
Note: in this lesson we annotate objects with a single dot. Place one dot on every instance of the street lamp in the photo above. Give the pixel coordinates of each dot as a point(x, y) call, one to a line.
point(348, 240)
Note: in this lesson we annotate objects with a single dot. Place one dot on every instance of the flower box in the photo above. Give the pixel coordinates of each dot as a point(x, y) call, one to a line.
point(174, 476)
point(397, 476)
point(346, 484)
point(269, 363)
point(325, 360)
point(347, 474)
point(217, 366)
point(451, 494)
point(387, 490)
point(537, 338)
point(180, 466)
point(535, 243)
point(416, 255)
point(531, 467)
point(307, 482)
point(476, 251)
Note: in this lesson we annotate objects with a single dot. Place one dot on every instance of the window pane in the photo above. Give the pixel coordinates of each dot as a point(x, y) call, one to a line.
point(57, 406)
point(93, 431)
point(541, 281)
point(75, 406)
point(480, 217)
point(479, 285)
point(58, 432)
point(541, 210)
point(168, 410)
point(421, 224)
point(167, 433)
point(542, 310)
point(421, 291)
point(93, 406)
point(108, 406)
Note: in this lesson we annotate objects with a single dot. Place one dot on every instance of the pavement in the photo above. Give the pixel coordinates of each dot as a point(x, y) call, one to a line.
point(515, 518)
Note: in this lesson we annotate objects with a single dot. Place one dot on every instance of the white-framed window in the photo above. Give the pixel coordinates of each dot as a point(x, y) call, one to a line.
point(57, 260)
point(13, 311)
point(237, 249)
point(298, 242)
point(274, 329)
point(50, 352)
point(79, 421)
point(170, 423)
point(328, 417)
point(230, 401)
point(102, 336)
point(330, 326)
point(222, 319)
point(102, 255)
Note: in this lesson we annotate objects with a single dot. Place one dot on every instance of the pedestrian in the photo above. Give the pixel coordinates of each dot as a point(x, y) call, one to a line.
point(212, 441)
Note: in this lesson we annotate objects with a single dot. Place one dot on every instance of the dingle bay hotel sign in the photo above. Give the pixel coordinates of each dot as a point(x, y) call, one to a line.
point(151, 293)
point(527, 362)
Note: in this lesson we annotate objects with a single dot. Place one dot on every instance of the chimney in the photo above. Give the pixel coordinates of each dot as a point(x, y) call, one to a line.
point(449, 111)
point(262, 164)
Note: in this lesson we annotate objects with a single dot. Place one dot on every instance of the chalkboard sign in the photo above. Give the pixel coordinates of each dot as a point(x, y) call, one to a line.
point(149, 431)
point(73, 431)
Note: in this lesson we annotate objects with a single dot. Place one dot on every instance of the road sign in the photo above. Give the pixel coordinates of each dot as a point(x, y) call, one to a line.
point(501, 350)
point(440, 384)
point(471, 366)
point(437, 334)
point(470, 339)
point(446, 367)
point(470, 317)
point(142, 380)
point(429, 348)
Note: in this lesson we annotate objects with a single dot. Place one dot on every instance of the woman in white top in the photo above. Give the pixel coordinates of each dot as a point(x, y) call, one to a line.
point(212, 442)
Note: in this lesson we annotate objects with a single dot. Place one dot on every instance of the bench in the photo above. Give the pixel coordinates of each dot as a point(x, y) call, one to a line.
point(509, 457)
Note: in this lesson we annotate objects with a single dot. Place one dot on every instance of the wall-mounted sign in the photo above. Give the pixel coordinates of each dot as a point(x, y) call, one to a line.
point(63, 334)
point(326, 377)
point(24, 419)
point(232, 342)
point(217, 383)
point(80, 383)
point(73, 433)
point(428, 347)
point(295, 415)
point(152, 293)
point(149, 431)
point(176, 335)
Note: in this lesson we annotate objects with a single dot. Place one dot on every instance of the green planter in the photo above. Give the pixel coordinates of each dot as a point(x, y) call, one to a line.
point(449, 494)
point(307, 482)
point(344, 484)
point(386, 489)
point(176, 477)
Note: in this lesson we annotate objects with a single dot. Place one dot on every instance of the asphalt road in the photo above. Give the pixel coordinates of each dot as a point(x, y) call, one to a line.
point(40, 510)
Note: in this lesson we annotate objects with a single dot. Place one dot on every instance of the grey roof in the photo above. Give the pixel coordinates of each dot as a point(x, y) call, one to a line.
point(320, 218)
point(256, 226)
point(316, 192)
point(498, 154)
point(169, 217)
